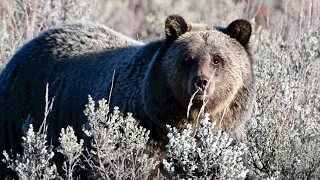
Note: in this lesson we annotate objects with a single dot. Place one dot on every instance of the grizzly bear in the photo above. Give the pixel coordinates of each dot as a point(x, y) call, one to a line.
point(160, 82)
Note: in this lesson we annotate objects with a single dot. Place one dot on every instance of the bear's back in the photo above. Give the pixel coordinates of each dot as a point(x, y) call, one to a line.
point(75, 60)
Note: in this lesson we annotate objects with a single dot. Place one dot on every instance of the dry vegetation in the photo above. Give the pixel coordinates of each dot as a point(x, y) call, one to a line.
point(283, 134)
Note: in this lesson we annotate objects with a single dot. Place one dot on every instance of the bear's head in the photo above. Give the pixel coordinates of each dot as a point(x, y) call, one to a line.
point(201, 66)
point(209, 66)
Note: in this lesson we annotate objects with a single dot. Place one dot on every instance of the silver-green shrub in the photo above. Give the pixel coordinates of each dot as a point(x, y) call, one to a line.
point(21, 20)
point(36, 159)
point(284, 131)
point(203, 155)
point(72, 151)
point(119, 145)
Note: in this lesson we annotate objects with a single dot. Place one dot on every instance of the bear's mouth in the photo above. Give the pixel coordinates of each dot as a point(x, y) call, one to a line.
point(200, 97)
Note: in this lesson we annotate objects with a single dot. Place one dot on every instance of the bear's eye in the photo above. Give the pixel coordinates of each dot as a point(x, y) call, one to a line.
point(188, 60)
point(187, 63)
point(216, 61)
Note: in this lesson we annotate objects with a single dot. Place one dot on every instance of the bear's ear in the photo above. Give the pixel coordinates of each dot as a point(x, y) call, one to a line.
point(240, 30)
point(175, 26)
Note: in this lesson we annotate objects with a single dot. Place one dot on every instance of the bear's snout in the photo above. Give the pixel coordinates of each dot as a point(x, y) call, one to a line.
point(201, 85)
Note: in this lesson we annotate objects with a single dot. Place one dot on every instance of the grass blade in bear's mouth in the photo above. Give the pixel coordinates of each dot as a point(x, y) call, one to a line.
point(200, 97)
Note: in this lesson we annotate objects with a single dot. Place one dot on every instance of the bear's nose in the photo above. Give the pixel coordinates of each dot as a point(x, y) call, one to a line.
point(202, 84)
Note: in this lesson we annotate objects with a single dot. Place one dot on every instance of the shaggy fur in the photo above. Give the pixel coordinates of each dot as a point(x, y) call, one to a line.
point(153, 80)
